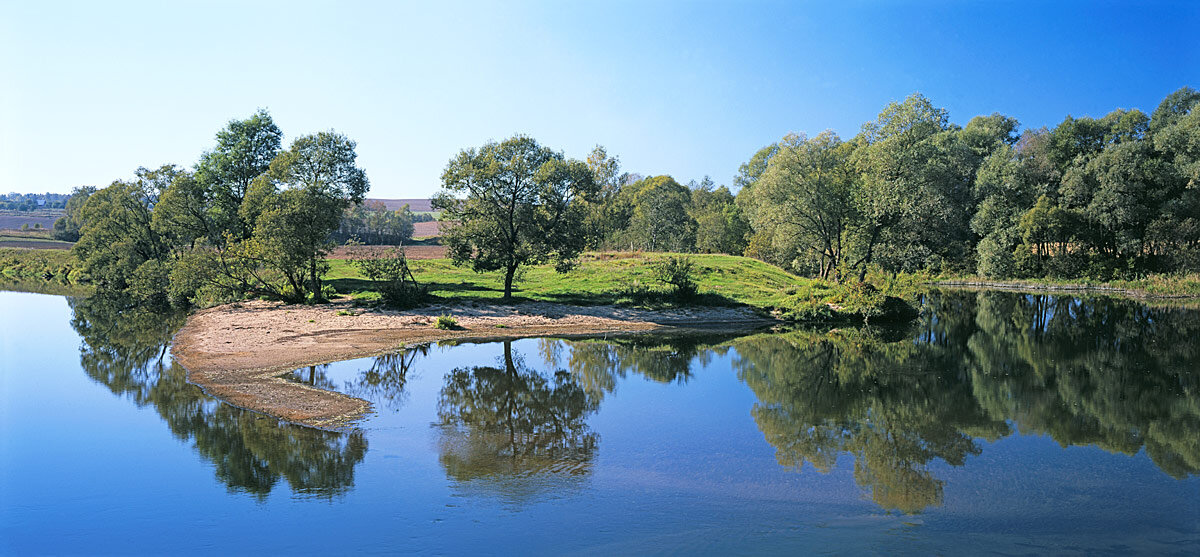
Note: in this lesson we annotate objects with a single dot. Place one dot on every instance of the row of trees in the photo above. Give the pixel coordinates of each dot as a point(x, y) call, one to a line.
point(371, 222)
point(1105, 197)
point(251, 218)
point(1102, 197)
point(32, 201)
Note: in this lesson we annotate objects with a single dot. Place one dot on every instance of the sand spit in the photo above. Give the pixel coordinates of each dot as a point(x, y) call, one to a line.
point(238, 352)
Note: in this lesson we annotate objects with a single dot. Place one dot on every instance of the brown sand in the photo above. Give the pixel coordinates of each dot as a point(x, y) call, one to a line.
point(238, 352)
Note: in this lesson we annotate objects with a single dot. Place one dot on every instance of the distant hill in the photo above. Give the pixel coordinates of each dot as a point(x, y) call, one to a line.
point(414, 205)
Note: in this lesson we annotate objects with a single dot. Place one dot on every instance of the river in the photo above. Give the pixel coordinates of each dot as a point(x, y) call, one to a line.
point(998, 422)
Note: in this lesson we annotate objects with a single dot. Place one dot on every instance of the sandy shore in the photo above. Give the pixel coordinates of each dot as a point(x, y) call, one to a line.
point(238, 352)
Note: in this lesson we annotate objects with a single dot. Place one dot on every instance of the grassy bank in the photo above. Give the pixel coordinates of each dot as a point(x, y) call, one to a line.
point(54, 265)
point(628, 279)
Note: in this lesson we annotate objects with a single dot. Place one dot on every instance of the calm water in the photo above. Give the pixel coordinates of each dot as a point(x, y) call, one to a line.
point(999, 423)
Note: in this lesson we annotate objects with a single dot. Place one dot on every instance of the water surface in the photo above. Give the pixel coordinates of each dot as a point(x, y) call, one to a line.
point(999, 422)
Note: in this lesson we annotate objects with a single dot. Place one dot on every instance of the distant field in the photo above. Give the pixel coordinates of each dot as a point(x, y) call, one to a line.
point(31, 239)
point(426, 229)
point(414, 205)
point(411, 252)
point(12, 220)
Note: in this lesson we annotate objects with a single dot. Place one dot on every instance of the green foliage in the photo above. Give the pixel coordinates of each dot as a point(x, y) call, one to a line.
point(1109, 197)
point(522, 203)
point(445, 322)
point(658, 219)
point(244, 152)
point(804, 204)
point(388, 269)
point(60, 266)
point(720, 225)
point(372, 223)
point(117, 237)
point(67, 227)
point(679, 273)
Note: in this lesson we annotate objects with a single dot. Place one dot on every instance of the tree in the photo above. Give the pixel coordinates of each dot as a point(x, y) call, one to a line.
point(604, 214)
point(182, 213)
point(804, 201)
point(118, 245)
point(244, 151)
point(522, 204)
point(320, 181)
point(67, 227)
point(915, 173)
point(658, 218)
point(293, 208)
point(720, 226)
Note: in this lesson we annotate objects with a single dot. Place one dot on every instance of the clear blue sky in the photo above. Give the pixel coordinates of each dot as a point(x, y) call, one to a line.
point(89, 91)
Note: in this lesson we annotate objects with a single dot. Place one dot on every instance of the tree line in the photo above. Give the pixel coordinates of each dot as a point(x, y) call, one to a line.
point(1109, 197)
point(249, 219)
point(1112, 197)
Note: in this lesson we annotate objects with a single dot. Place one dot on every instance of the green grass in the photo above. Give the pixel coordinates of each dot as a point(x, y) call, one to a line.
point(627, 279)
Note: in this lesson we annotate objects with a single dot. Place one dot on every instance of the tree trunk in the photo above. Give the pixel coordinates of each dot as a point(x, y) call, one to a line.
point(508, 280)
point(316, 280)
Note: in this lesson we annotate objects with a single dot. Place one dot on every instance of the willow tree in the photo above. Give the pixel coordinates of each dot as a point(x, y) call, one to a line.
point(805, 199)
point(514, 203)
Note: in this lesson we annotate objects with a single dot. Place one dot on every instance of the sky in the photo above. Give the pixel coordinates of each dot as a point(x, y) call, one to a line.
point(89, 91)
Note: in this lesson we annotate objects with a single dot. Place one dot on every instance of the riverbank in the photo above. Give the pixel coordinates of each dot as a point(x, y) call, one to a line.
point(1152, 287)
point(239, 351)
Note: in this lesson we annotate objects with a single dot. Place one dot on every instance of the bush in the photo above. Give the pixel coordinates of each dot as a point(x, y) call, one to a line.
point(388, 269)
point(445, 322)
point(678, 272)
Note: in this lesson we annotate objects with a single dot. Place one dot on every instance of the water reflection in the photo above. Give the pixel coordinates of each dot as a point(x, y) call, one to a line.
point(512, 430)
point(1111, 373)
point(902, 403)
point(597, 365)
point(124, 349)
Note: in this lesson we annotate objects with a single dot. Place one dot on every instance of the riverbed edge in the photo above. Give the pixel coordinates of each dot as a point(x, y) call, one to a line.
point(251, 377)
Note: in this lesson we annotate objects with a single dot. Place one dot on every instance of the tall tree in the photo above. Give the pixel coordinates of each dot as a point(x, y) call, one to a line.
point(915, 190)
point(658, 219)
point(805, 200)
point(118, 246)
point(244, 151)
point(514, 203)
point(320, 180)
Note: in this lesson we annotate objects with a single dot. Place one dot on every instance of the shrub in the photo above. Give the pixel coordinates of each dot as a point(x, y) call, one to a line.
point(388, 269)
point(445, 322)
point(678, 272)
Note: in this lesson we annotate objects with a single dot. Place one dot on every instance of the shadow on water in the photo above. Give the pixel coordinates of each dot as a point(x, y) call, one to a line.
point(125, 349)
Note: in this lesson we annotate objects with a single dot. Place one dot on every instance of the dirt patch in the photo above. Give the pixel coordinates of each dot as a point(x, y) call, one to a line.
point(238, 352)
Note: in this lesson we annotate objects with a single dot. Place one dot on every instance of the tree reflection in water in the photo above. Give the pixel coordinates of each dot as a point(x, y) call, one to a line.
point(124, 349)
point(1111, 373)
point(1096, 371)
point(513, 431)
